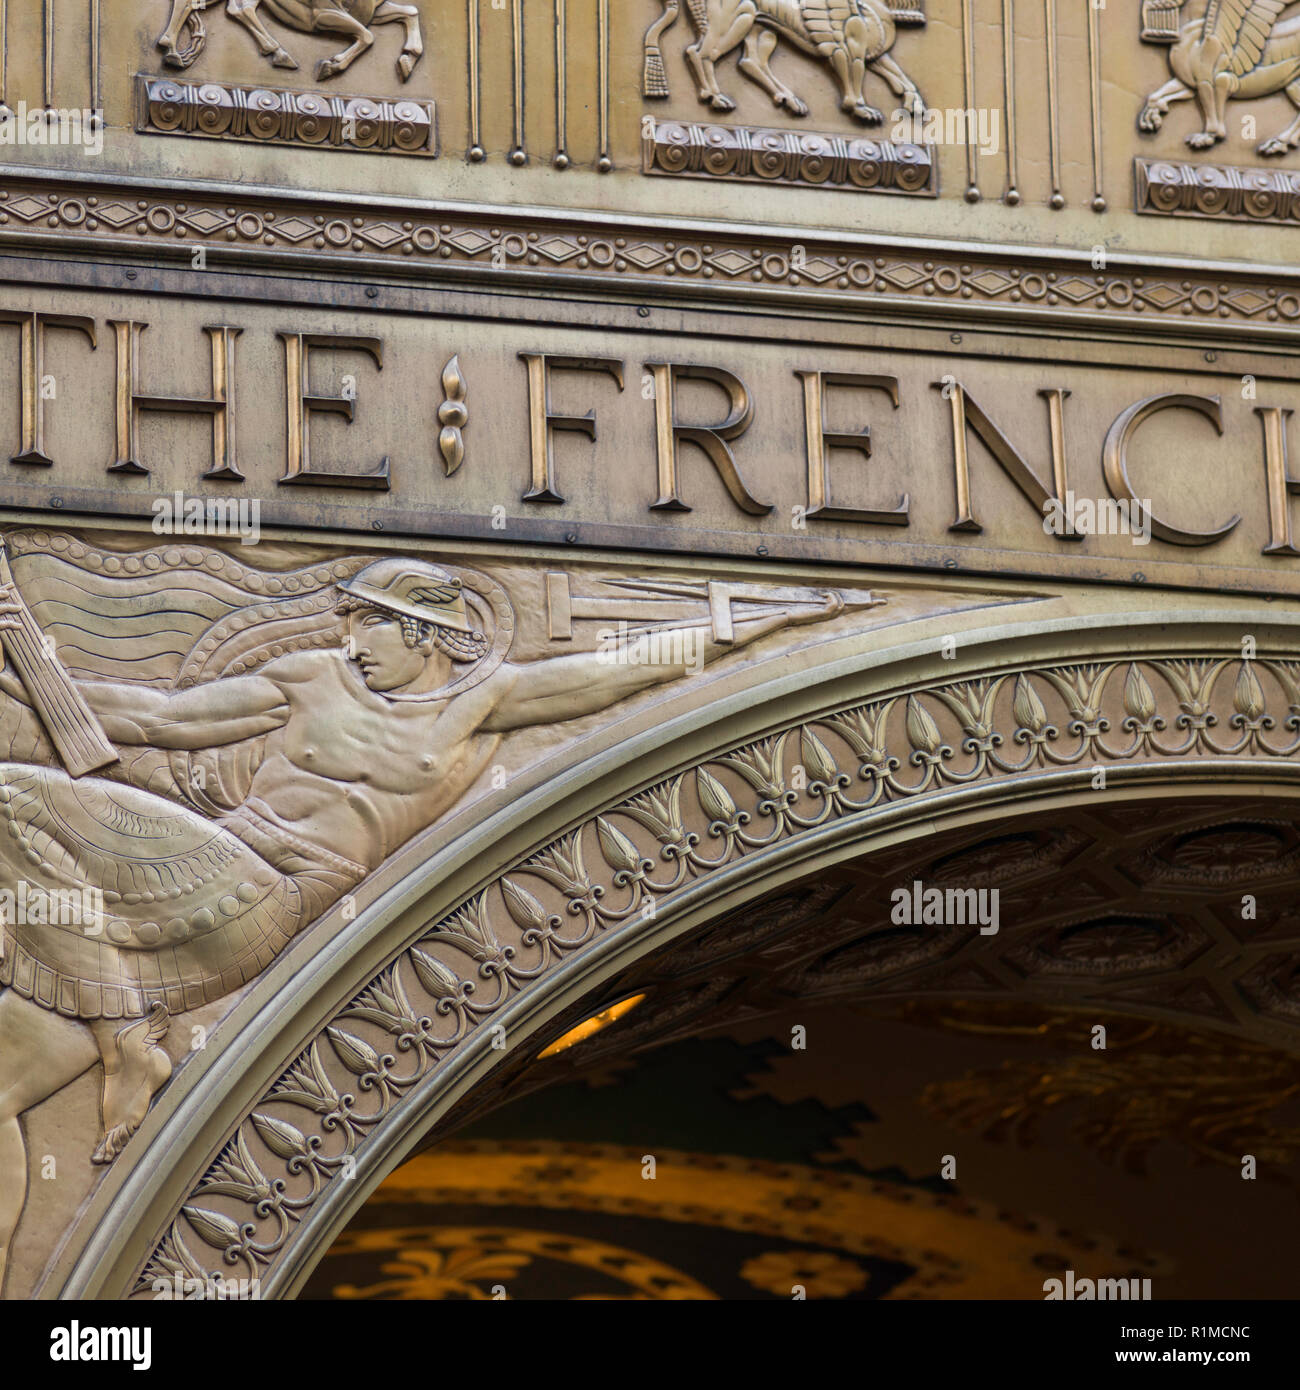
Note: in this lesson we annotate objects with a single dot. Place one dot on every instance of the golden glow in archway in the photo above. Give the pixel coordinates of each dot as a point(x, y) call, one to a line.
point(591, 1026)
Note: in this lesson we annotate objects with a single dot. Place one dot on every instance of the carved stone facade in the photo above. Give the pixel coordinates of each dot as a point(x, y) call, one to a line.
point(560, 554)
point(599, 878)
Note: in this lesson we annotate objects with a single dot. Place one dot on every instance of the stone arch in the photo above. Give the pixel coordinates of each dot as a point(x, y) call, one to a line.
point(323, 1078)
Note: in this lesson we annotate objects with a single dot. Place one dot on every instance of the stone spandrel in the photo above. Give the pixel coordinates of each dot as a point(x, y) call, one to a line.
point(257, 756)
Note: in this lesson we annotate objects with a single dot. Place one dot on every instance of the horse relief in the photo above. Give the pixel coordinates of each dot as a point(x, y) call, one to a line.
point(185, 36)
point(853, 36)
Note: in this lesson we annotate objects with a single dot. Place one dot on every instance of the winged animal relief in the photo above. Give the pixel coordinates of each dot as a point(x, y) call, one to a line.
point(1237, 50)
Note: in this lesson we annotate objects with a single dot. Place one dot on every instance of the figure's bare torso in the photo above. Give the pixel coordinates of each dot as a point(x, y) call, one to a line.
point(358, 773)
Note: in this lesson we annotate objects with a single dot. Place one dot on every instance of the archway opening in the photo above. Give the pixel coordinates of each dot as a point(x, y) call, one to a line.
point(855, 1088)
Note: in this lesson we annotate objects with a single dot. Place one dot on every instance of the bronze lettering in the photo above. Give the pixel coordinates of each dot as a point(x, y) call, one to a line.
point(967, 413)
point(1281, 485)
point(820, 439)
point(302, 404)
point(131, 402)
point(1115, 460)
point(543, 421)
point(713, 439)
point(31, 327)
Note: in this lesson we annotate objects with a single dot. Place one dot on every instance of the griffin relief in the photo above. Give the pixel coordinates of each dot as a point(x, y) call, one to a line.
point(1237, 50)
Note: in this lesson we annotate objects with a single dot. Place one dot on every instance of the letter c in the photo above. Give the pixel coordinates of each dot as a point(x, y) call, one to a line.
point(1115, 460)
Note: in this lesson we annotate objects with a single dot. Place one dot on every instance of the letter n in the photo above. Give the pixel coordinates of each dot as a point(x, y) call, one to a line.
point(967, 416)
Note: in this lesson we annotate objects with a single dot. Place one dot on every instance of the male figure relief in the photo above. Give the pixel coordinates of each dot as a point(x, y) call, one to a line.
point(362, 752)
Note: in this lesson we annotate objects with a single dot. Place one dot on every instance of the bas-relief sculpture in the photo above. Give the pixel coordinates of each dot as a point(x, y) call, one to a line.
point(1237, 50)
point(884, 43)
point(1229, 51)
point(270, 759)
point(183, 39)
point(289, 739)
point(853, 36)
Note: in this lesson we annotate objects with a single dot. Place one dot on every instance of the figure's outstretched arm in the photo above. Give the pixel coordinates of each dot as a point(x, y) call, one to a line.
point(568, 687)
point(226, 711)
point(223, 711)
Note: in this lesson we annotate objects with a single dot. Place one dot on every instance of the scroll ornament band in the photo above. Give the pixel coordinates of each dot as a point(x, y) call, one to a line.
point(225, 111)
point(1217, 190)
point(756, 155)
point(442, 989)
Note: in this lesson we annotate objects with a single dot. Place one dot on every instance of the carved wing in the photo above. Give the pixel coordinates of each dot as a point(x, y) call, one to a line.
point(824, 20)
point(173, 617)
point(1242, 27)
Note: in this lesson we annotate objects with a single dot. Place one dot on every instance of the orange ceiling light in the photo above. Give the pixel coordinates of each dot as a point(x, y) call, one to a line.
point(590, 1026)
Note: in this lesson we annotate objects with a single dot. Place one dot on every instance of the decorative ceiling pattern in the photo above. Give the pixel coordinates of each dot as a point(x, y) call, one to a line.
point(1176, 910)
point(1209, 1094)
point(525, 1218)
point(539, 1203)
point(768, 1179)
